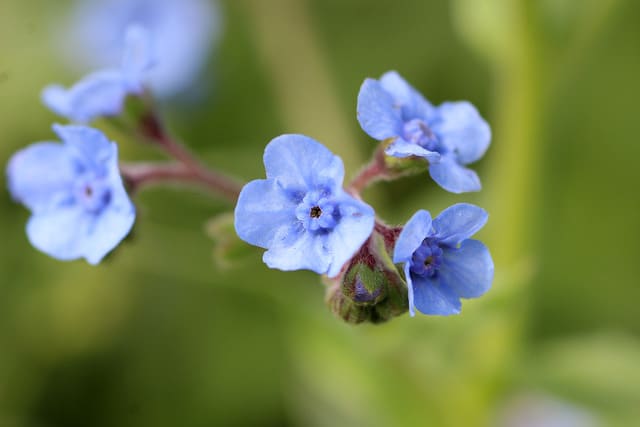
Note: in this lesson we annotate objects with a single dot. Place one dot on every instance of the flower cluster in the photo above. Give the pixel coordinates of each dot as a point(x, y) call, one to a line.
point(306, 220)
point(75, 190)
point(302, 214)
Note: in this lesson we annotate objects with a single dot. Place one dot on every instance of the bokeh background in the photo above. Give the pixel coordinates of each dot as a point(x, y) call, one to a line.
point(165, 333)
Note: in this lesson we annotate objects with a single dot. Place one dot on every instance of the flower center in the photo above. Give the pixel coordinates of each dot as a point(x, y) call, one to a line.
point(419, 133)
point(317, 211)
point(426, 260)
point(93, 194)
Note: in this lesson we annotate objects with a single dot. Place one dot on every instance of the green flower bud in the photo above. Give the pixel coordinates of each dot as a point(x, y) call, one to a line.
point(371, 289)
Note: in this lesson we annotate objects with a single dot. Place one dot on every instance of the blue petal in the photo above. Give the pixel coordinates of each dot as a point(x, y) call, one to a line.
point(301, 163)
point(108, 229)
point(60, 233)
point(458, 222)
point(376, 112)
point(41, 176)
point(468, 270)
point(412, 103)
point(308, 251)
point(401, 148)
point(56, 98)
point(434, 297)
point(414, 232)
point(265, 214)
point(353, 229)
point(88, 145)
point(137, 57)
point(69, 232)
point(407, 276)
point(98, 94)
point(453, 177)
point(115, 221)
point(461, 129)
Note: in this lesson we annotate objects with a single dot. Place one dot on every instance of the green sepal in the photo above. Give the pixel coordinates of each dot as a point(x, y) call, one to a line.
point(228, 249)
point(371, 289)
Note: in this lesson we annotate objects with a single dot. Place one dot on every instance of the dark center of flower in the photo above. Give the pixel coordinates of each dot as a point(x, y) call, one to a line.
point(318, 212)
point(93, 194)
point(315, 212)
point(419, 133)
point(426, 260)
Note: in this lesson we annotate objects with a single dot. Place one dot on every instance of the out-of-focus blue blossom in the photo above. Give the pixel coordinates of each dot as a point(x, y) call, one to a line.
point(301, 213)
point(449, 136)
point(441, 263)
point(183, 32)
point(103, 93)
point(79, 206)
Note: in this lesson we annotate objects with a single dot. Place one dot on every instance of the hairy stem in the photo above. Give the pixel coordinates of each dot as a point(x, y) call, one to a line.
point(187, 169)
point(375, 170)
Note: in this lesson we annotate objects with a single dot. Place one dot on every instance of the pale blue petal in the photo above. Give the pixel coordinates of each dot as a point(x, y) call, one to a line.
point(413, 233)
point(432, 296)
point(265, 215)
point(60, 233)
point(88, 145)
point(137, 57)
point(411, 102)
point(108, 229)
point(69, 232)
point(41, 176)
point(462, 130)
point(98, 94)
point(56, 98)
point(458, 222)
point(299, 162)
point(407, 276)
point(353, 229)
point(183, 32)
point(467, 270)
point(308, 252)
point(401, 148)
point(453, 177)
point(376, 112)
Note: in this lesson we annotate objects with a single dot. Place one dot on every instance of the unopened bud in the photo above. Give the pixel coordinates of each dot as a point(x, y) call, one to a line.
point(371, 288)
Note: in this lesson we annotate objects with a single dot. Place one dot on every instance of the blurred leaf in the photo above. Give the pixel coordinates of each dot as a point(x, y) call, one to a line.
point(600, 371)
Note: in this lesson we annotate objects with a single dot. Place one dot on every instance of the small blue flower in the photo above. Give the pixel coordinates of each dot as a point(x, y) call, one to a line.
point(441, 263)
point(449, 136)
point(301, 213)
point(183, 32)
point(79, 206)
point(102, 93)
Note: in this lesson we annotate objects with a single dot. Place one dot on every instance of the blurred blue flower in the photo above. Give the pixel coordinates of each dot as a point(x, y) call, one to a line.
point(79, 206)
point(449, 136)
point(301, 213)
point(183, 32)
point(102, 93)
point(442, 264)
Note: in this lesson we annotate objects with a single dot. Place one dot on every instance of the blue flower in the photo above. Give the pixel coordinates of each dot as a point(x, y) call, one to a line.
point(449, 136)
point(102, 93)
point(79, 206)
point(301, 213)
point(441, 263)
point(183, 32)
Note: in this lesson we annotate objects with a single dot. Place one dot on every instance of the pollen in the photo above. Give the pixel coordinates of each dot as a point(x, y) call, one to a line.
point(315, 212)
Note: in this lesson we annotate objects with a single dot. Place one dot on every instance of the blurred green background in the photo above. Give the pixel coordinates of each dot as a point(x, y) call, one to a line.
point(161, 334)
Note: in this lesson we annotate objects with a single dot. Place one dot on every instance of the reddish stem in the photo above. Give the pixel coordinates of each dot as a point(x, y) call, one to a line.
point(188, 168)
point(374, 171)
point(142, 175)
